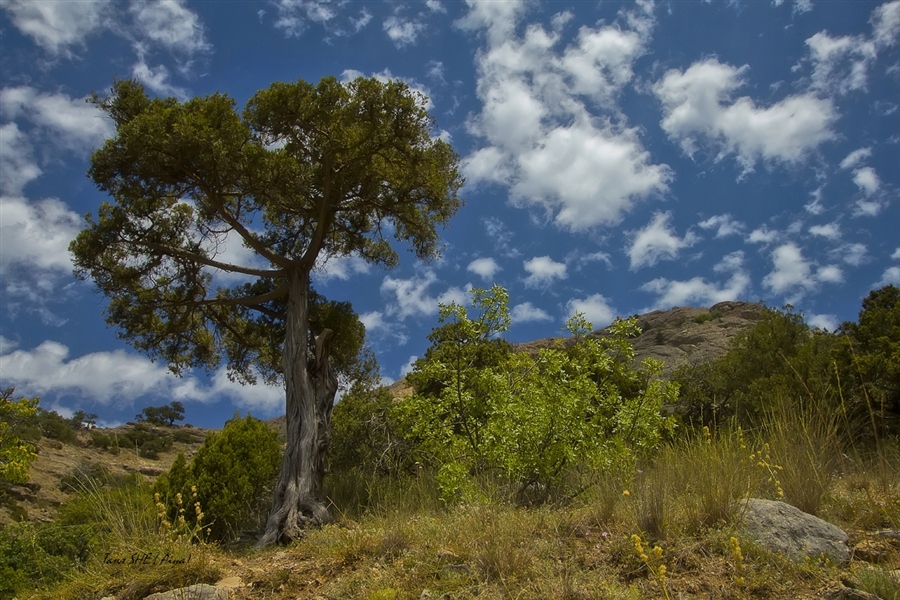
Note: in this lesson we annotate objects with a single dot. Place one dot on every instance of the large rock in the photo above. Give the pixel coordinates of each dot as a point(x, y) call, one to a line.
point(201, 591)
point(783, 528)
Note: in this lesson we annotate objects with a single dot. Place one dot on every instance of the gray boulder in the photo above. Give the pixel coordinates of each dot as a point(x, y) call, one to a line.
point(785, 529)
point(201, 591)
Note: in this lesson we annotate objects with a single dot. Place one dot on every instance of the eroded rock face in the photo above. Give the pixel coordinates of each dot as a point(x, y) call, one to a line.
point(201, 591)
point(783, 528)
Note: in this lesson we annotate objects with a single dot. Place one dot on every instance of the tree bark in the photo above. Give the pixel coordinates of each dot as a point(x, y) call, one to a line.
point(310, 387)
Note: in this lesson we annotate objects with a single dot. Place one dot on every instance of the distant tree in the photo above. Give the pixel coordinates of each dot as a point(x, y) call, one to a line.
point(16, 455)
point(83, 419)
point(869, 354)
point(162, 415)
point(306, 173)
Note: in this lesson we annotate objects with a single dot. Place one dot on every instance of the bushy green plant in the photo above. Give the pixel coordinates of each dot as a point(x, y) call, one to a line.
point(229, 475)
point(146, 440)
point(15, 453)
point(481, 409)
point(34, 556)
point(365, 436)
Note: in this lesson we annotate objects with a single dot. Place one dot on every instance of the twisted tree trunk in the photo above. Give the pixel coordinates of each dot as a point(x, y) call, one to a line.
point(310, 386)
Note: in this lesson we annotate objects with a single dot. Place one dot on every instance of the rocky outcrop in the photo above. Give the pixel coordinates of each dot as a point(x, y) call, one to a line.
point(785, 529)
point(683, 335)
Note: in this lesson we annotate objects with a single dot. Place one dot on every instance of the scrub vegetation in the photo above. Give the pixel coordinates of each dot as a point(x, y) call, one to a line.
point(570, 472)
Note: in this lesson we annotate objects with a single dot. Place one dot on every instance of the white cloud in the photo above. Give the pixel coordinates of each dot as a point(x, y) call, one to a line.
point(831, 231)
point(36, 235)
point(547, 117)
point(527, 312)
point(372, 321)
point(17, 166)
point(824, 322)
point(340, 267)
point(896, 254)
point(403, 32)
point(657, 241)
point(724, 225)
point(543, 270)
point(840, 64)
point(891, 276)
point(851, 254)
point(410, 297)
point(169, 24)
point(793, 275)
point(886, 24)
point(121, 378)
point(699, 112)
point(699, 291)
point(294, 14)
point(595, 308)
point(485, 268)
point(7, 346)
point(157, 80)
point(57, 26)
point(856, 157)
point(762, 235)
point(69, 123)
point(408, 367)
point(866, 179)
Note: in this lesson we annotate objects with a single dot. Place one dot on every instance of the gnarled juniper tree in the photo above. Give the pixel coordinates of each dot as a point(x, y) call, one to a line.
point(303, 174)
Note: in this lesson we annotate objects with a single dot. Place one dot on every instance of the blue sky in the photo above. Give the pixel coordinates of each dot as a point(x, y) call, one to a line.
point(620, 157)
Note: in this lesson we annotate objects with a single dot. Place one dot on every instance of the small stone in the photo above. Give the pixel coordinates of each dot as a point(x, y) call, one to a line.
point(783, 528)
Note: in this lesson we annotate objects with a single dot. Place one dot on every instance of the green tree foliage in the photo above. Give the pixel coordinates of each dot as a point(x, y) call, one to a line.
point(16, 455)
point(305, 173)
point(869, 351)
point(229, 477)
point(366, 435)
point(481, 408)
point(162, 415)
point(778, 358)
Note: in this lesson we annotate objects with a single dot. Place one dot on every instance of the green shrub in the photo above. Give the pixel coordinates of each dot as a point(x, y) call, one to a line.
point(36, 556)
point(232, 472)
point(482, 409)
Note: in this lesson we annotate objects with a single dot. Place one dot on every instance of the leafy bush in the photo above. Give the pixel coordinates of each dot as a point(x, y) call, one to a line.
point(481, 409)
point(15, 453)
point(148, 441)
point(231, 474)
point(35, 556)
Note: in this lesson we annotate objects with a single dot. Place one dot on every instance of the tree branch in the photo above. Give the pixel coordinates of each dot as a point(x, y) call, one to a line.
point(180, 252)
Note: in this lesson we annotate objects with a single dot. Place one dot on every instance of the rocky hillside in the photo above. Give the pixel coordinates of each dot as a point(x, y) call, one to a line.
point(678, 336)
point(686, 334)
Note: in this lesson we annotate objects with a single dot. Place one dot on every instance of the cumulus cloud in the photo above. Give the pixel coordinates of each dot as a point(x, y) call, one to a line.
point(724, 225)
point(851, 254)
point(886, 24)
point(699, 112)
point(403, 32)
point(17, 166)
point(170, 25)
point(762, 235)
point(831, 231)
point(543, 270)
point(410, 297)
point(657, 241)
point(57, 26)
point(840, 64)
point(856, 157)
point(891, 276)
point(792, 275)
point(866, 179)
point(36, 234)
point(823, 322)
point(66, 122)
point(120, 378)
point(340, 267)
point(528, 312)
point(485, 268)
point(699, 291)
point(595, 308)
point(553, 134)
